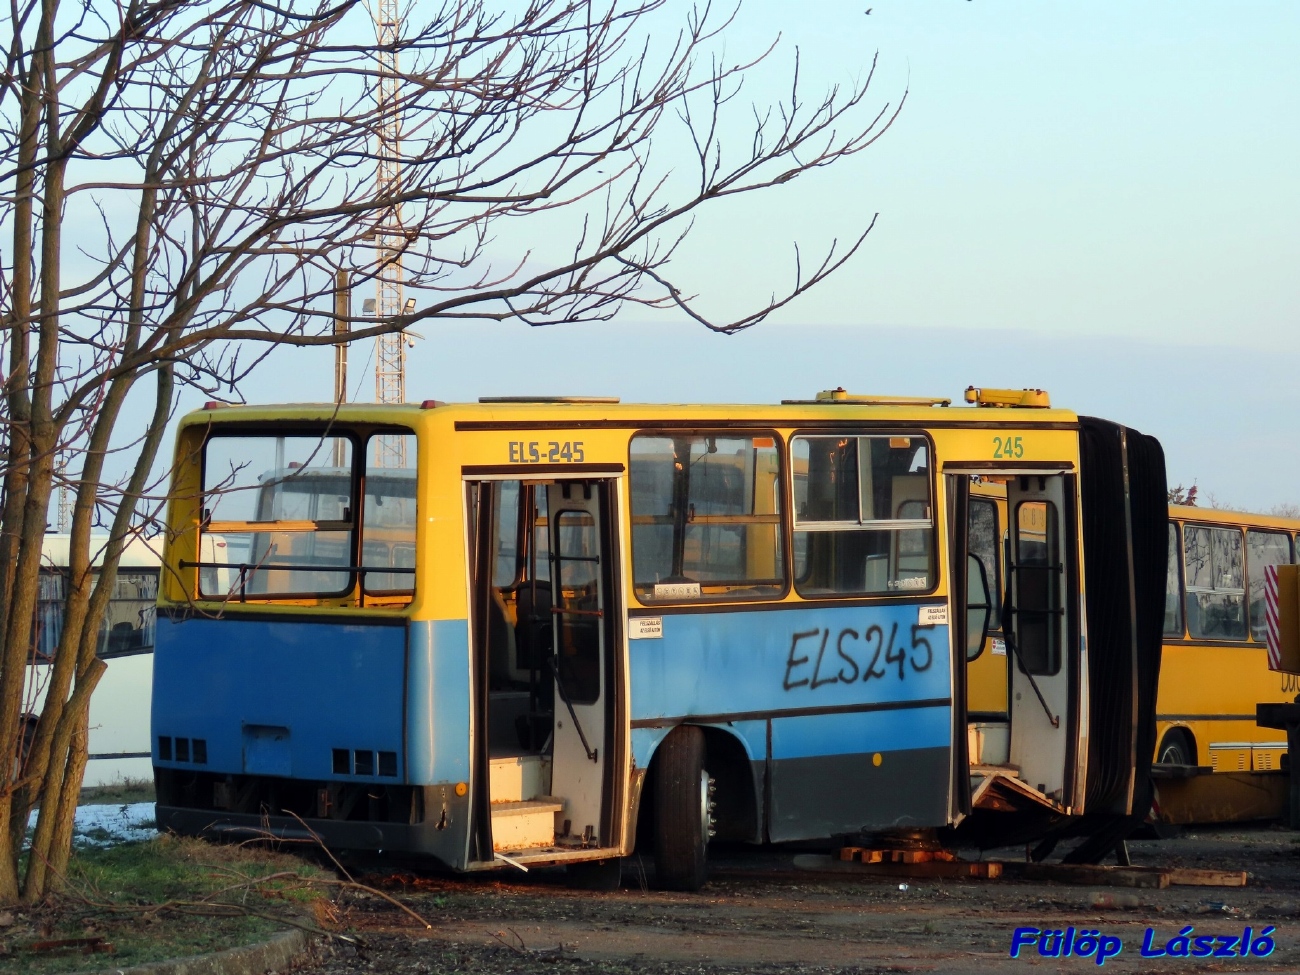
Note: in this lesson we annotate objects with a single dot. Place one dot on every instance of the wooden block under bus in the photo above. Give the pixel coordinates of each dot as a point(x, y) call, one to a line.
point(1187, 877)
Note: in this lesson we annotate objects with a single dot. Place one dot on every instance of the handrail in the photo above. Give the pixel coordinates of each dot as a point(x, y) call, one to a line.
point(287, 525)
point(294, 567)
point(244, 568)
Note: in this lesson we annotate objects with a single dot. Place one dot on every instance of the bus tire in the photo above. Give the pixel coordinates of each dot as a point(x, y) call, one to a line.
point(682, 811)
point(1176, 748)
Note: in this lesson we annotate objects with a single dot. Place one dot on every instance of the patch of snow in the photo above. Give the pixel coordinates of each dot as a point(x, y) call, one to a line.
point(106, 825)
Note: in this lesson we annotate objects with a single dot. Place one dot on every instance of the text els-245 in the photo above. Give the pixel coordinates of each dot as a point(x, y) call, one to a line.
point(545, 452)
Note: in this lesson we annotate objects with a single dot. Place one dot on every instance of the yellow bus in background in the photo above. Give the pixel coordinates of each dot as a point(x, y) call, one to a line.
point(1214, 670)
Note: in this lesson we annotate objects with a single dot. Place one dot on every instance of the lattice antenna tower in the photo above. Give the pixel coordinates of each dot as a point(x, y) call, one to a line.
point(390, 352)
point(65, 497)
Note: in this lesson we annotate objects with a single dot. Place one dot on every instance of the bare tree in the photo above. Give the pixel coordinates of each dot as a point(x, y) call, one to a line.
point(181, 180)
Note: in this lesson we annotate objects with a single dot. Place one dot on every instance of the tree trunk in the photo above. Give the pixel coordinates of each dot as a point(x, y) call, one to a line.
point(59, 797)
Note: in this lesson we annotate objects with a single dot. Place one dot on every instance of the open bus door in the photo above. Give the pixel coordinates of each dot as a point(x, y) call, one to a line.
point(1040, 608)
point(1083, 654)
point(548, 634)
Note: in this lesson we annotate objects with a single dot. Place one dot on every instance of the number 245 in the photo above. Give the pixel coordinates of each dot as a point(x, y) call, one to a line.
point(1007, 447)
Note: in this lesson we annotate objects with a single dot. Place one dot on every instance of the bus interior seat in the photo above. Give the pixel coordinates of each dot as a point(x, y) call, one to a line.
point(123, 636)
point(502, 640)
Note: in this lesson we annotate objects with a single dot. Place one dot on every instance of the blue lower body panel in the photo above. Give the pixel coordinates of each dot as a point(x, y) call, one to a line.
point(845, 712)
point(358, 731)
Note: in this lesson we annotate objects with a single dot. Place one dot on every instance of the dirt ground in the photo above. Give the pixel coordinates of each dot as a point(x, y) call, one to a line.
point(762, 913)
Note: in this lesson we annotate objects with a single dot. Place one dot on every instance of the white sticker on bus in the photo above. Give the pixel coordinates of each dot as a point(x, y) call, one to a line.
point(933, 615)
point(677, 590)
point(999, 647)
point(646, 628)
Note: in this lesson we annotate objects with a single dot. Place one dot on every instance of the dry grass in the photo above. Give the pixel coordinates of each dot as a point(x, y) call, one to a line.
point(173, 897)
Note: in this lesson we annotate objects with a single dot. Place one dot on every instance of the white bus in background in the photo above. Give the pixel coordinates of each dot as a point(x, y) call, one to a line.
point(119, 708)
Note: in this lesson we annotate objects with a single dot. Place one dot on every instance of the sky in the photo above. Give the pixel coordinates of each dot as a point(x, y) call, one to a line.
point(1095, 199)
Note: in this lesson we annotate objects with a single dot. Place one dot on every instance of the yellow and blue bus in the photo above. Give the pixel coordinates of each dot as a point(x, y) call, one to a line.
point(533, 631)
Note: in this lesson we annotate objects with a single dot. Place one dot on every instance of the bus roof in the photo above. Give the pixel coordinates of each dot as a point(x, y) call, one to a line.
point(1216, 516)
point(140, 553)
point(577, 409)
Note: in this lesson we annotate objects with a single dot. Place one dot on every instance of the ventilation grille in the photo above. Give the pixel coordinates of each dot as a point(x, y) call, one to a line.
point(364, 762)
point(192, 750)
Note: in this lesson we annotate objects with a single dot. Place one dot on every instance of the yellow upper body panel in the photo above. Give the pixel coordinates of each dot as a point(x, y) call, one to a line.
point(512, 439)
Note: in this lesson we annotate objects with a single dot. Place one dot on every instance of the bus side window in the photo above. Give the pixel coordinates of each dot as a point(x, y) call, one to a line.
point(388, 525)
point(128, 624)
point(49, 614)
point(1216, 594)
point(1173, 587)
point(706, 513)
point(863, 515)
point(1262, 548)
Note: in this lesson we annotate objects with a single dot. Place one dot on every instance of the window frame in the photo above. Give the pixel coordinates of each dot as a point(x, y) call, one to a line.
point(996, 582)
point(1240, 529)
point(783, 499)
point(859, 432)
point(61, 573)
point(1245, 571)
point(1055, 530)
point(359, 436)
point(1181, 593)
point(363, 470)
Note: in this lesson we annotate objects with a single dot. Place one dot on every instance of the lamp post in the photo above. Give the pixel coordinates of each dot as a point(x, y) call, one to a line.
point(342, 314)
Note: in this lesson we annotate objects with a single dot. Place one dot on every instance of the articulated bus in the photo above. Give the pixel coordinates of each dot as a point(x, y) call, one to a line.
point(535, 631)
point(1214, 764)
point(119, 708)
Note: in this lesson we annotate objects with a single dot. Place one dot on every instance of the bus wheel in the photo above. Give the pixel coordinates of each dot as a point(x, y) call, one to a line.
point(683, 811)
point(1176, 749)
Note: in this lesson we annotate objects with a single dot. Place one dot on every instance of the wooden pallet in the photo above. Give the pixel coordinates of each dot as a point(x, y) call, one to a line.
point(935, 864)
point(860, 854)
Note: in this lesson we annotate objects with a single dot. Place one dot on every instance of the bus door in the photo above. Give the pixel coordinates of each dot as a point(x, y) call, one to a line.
point(547, 632)
point(577, 513)
point(1040, 615)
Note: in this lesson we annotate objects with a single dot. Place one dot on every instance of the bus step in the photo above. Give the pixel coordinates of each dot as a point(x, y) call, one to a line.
point(517, 778)
point(525, 824)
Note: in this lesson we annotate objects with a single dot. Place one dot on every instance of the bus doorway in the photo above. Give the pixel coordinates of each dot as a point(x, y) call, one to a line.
point(1029, 758)
point(546, 659)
